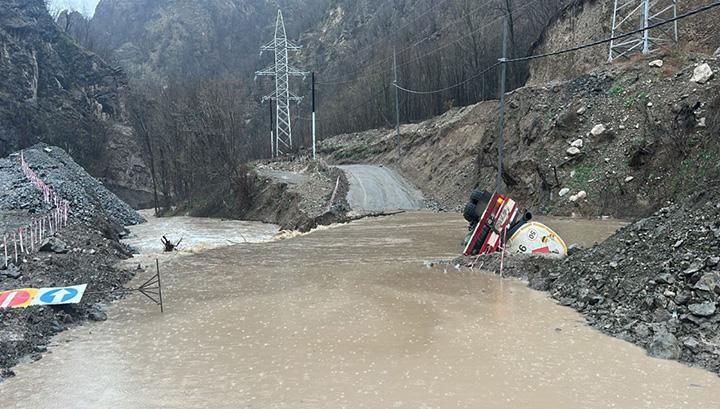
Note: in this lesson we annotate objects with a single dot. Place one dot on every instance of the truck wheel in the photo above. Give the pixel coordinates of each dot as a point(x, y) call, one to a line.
point(479, 196)
point(470, 213)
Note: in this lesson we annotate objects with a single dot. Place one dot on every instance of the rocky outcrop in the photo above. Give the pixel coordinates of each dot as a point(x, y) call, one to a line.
point(159, 40)
point(54, 91)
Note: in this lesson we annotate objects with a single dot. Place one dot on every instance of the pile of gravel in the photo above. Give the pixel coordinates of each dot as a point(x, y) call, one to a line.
point(655, 283)
point(88, 198)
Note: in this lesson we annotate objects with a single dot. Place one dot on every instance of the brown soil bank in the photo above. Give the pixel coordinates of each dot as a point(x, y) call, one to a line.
point(655, 283)
point(644, 135)
point(296, 195)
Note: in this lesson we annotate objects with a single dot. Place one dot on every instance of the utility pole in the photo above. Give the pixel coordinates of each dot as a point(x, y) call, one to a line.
point(628, 14)
point(646, 23)
point(272, 133)
point(397, 103)
point(501, 122)
point(313, 116)
point(281, 71)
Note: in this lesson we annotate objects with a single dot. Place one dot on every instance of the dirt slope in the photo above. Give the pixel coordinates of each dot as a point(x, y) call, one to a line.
point(660, 140)
point(585, 21)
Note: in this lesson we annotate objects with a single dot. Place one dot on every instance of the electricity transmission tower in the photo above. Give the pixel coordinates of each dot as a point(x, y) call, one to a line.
point(282, 71)
point(630, 15)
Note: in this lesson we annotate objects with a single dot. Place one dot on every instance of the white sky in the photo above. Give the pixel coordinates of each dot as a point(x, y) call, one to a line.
point(86, 7)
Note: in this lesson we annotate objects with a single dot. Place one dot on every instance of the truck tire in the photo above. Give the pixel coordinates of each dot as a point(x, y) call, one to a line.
point(470, 213)
point(479, 196)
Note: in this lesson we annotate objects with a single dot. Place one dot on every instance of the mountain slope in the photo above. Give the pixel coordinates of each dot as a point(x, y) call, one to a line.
point(659, 141)
point(344, 41)
point(54, 91)
point(584, 21)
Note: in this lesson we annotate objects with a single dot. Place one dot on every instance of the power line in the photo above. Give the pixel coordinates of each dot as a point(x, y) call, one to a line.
point(383, 61)
point(406, 25)
point(437, 91)
point(607, 40)
point(565, 51)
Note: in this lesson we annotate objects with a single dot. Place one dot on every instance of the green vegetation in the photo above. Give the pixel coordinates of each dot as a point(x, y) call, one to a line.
point(583, 173)
point(695, 170)
point(632, 100)
point(616, 90)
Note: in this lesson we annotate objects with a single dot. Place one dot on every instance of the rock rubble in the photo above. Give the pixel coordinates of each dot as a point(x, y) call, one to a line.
point(86, 195)
point(655, 283)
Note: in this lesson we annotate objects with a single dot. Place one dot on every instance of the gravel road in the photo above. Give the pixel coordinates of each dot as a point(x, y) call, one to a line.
point(376, 188)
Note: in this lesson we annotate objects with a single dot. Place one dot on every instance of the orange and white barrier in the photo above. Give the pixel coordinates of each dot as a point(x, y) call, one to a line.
point(29, 237)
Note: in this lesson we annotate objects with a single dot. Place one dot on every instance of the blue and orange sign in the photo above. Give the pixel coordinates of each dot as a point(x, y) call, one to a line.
point(25, 297)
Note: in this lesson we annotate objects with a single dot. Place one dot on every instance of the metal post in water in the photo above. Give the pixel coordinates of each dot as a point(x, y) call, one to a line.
point(313, 116)
point(157, 266)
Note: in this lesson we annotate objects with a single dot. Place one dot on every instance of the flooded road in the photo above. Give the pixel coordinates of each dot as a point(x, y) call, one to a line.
point(349, 317)
point(197, 234)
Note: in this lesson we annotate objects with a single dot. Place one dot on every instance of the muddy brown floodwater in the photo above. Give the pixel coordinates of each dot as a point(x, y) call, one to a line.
point(348, 317)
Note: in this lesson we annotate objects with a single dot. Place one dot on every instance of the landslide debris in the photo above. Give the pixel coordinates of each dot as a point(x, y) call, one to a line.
point(629, 135)
point(91, 258)
point(85, 252)
point(88, 198)
point(655, 283)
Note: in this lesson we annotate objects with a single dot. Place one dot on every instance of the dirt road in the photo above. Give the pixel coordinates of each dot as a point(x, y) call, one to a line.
point(377, 188)
point(349, 316)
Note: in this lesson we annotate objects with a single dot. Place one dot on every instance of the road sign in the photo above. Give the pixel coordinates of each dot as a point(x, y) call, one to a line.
point(17, 298)
point(59, 295)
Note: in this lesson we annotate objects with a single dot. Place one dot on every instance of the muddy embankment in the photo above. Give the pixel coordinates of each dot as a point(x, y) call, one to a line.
point(655, 283)
point(85, 252)
point(298, 195)
point(631, 135)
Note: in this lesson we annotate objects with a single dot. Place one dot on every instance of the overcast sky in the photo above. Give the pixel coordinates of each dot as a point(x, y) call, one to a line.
point(86, 7)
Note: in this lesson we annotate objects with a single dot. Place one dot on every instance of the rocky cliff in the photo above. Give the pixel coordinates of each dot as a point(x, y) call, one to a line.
point(54, 91)
point(160, 40)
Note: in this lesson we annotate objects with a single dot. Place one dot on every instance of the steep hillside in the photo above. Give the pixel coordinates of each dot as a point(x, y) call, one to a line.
point(54, 91)
point(644, 135)
point(186, 39)
point(349, 42)
point(583, 21)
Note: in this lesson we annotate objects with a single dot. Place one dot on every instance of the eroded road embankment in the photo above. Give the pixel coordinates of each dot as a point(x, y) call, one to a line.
point(349, 317)
point(377, 188)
